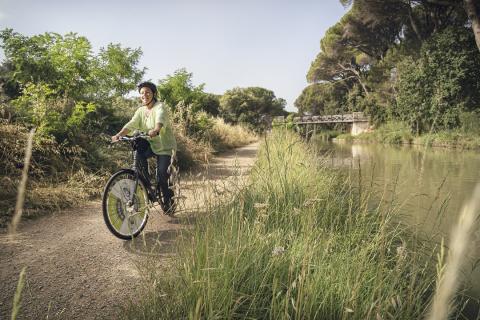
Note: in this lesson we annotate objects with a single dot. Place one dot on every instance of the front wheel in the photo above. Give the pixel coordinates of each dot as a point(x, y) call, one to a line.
point(125, 210)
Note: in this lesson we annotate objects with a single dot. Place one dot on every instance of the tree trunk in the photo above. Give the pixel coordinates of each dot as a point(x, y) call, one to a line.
point(357, 76)
point(472, 9)
point(413, 23)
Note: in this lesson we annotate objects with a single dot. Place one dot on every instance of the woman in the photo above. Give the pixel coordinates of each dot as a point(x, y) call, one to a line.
point(153, 117)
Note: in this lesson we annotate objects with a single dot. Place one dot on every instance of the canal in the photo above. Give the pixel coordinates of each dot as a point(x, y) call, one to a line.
point(427, 186)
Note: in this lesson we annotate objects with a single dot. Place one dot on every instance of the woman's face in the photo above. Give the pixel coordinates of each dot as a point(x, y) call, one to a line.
point(146, 95)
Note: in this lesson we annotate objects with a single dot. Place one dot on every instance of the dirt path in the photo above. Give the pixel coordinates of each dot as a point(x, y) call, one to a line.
point(77, 270)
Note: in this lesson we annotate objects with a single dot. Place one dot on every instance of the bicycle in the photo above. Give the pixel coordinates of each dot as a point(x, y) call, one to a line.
point(126, 199)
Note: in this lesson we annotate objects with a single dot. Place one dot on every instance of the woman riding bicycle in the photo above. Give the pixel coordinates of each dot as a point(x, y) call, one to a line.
point(153, 117)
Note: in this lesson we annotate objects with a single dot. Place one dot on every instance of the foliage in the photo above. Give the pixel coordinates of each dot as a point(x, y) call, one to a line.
point(251, 106)
point(178, 88)
point(75, 99)
point(398, 60)
point(59, 85)
point(51, 115)
point(322, 98)
point(446, 70)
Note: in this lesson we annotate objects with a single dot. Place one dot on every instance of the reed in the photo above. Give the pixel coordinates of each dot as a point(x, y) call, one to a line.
point(18, 294)
point(22, 186)
point(449, 275)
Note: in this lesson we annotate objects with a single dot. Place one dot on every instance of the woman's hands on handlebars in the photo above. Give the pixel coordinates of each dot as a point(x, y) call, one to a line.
point(120, 137)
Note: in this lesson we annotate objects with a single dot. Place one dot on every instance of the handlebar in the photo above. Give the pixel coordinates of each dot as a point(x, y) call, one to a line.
point(140, 135)
point(133, 138)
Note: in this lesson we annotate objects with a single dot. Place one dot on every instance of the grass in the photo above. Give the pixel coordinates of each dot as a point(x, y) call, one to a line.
point(226, 136)
point(399, 133)
point(389, 133)
point(298, 242)
point(451, 139)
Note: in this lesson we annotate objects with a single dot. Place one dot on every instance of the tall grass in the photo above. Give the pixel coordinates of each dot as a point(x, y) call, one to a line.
point(449, 277)
point(389, 133)
point(299, 242)
point(227, 136)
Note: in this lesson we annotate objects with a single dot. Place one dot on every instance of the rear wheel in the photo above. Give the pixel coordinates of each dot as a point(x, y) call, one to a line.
point(125, 211)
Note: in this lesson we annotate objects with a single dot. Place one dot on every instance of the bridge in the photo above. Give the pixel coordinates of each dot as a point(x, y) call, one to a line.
point(359, 122)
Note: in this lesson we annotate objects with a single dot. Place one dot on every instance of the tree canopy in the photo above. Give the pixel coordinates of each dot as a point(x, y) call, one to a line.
point(409, 60)
point(59, 85)
point(250, 105)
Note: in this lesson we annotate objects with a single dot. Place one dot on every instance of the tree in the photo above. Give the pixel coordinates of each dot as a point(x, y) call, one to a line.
point(68, 65)
point(116, 72)
point(339, 61)
point(178, 88)
point(210, 103)
point(472, 8)
point(61, 86)
point(322, 98)
point(250, 105)
point(443, 82)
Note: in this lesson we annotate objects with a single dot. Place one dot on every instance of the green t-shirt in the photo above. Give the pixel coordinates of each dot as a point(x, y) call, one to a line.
point(165, 142)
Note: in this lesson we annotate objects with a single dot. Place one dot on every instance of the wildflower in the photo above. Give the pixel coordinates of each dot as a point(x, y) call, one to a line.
point(401, 252)
point(260, 205)
point(278, 251)
point(311, 202)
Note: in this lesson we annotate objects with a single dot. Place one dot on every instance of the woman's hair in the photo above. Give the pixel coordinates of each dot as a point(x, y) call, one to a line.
point(149, 85)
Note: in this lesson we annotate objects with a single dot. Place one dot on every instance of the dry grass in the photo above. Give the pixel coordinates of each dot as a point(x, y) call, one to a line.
point(231, 136)
point(22, 186)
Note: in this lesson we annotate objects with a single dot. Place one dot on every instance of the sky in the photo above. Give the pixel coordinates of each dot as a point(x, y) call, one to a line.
point(224, 43)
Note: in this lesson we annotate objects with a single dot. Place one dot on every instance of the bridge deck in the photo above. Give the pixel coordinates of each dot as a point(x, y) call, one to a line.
point(337, 118)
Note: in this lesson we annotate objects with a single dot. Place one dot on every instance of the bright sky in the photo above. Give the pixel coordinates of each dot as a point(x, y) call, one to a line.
point(225, 44)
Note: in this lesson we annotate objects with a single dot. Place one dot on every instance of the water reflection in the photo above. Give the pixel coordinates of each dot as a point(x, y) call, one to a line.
point(429, 186)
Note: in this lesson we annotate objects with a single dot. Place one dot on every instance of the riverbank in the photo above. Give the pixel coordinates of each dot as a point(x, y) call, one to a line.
point(397, 133)
point(298, 241)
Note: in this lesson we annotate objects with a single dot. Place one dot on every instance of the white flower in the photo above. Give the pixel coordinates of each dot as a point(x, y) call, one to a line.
point(278, 251)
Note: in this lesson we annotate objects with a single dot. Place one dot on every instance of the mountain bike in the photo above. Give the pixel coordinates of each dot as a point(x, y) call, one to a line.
point(128, 197)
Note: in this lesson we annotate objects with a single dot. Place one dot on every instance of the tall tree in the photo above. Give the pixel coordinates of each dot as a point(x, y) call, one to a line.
point(472, 8)
point(249, 105)
point(322, 98)
point(339, 61)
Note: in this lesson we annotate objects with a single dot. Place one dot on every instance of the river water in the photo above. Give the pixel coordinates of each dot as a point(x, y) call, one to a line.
point(428, 186)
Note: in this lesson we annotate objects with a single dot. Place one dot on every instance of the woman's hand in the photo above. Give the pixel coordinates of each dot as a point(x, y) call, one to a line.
point(153, 133)
point(115, 138)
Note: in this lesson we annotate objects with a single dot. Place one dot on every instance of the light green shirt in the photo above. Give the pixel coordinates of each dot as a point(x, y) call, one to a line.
point(165, 142)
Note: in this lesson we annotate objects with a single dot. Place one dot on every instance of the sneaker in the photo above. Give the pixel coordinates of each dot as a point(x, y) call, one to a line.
point(152, 193)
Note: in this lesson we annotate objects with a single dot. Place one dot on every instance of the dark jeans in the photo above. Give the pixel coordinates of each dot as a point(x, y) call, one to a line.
point(162, 175)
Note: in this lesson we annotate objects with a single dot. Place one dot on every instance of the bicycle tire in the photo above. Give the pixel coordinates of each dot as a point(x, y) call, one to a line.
point(116, 209)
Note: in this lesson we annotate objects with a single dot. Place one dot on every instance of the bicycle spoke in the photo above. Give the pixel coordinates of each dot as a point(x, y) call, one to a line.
point(122, 189)
point(125, 228)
